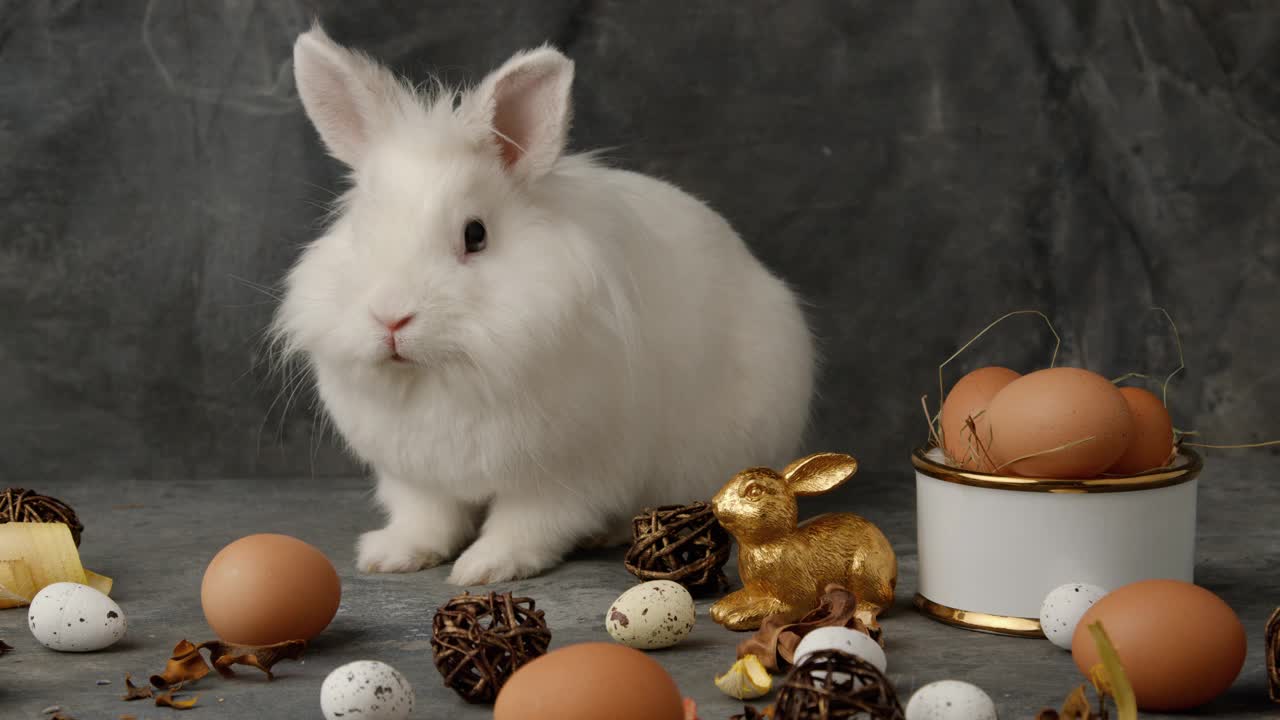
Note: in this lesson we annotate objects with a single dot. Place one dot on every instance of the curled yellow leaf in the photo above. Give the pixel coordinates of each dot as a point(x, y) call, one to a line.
point(1077, 706)
point(47, 550)
point(746, 680)
point(101, 583)
point(1117, 682)
point(16, 585)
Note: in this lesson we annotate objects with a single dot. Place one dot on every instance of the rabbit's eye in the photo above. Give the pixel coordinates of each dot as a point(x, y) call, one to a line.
point(473, 236)
point(753, 492)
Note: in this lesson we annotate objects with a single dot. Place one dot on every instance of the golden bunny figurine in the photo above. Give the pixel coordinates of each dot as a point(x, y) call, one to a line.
point(784, 567)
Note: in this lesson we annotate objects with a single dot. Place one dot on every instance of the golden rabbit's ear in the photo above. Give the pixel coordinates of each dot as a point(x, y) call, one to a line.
point(816, 474)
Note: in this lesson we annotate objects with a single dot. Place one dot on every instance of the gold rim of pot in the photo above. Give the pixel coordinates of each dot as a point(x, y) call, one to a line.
point(1150, 480)
point(982, 622)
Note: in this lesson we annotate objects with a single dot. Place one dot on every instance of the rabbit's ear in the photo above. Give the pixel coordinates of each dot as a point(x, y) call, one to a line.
point(526, 104)
point(348, 96)
point(816, 474)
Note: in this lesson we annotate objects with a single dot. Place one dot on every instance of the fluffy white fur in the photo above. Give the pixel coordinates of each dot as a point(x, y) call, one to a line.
point(615, 346)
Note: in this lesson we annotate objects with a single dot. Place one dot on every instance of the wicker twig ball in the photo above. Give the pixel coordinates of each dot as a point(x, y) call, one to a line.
point(681, 543)
point(480, 640)
point(833, 685)
point(20, 505)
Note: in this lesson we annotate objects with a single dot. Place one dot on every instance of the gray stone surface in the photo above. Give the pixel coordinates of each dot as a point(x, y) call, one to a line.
point(155, 538)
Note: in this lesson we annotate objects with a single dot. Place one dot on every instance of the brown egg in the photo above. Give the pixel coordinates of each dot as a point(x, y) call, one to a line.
point(1036, 419)
point(1181, 645)
point(265, 589)
point(969, 398)
point(1152, 442)
point(590, 681)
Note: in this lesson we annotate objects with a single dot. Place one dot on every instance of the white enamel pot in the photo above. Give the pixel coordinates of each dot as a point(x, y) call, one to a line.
point(991, 546)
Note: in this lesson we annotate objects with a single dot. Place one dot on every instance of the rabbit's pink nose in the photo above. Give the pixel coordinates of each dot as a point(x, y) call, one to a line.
point(396, 324)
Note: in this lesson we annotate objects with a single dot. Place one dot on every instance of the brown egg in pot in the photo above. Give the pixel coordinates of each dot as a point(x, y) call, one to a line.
point(1058, 423)
point(1152, 444)
point(967, 399)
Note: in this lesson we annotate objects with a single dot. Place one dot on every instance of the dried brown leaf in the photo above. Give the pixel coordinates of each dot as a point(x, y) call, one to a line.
point(776, 641)
point(128, 717)
point(186, 665)
point(135, 692)
point(60, 716)
point(1048, 714)
point(1077, 706)
point(224, 655)
point(166, 699)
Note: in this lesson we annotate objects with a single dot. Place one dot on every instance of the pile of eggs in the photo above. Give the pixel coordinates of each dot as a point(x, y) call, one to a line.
point(941, 700)
point(1061, 422)
point(1181, 645)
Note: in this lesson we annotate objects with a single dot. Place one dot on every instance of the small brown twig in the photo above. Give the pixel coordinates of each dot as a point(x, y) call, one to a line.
point(1060, 448)
point(942, 394)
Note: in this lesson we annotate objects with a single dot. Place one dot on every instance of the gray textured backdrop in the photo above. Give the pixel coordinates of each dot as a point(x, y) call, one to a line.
point(916, 168)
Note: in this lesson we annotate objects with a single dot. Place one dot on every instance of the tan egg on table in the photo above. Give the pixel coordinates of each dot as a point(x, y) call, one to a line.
point(652, 615)
point(266, 589)
point(69, 617)
point(590, 681)
point(950, 700)
point(1180, 644)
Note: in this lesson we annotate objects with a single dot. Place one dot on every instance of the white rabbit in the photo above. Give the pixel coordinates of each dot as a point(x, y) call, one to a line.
point(527, 347)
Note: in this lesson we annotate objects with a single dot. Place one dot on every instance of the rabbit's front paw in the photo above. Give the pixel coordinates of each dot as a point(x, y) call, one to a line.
point(490, 561)
point(742, 610)
point(386, 551)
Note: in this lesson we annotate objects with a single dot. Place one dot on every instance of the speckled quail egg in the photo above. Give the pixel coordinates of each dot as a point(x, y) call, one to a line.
point(70, 617)
point(1062, 609)
point(366, 689)
point(845, 639)
point(651, 615)
point(951, 700)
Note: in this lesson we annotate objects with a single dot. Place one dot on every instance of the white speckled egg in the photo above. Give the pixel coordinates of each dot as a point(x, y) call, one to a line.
point(844, 639)
point(70, 617)
point(1062, 609)
point(651, 615)
point(366, 689)
point(951, 700)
